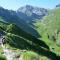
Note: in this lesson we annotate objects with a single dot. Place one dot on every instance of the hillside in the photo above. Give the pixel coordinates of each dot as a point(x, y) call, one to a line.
point(52, 24)
point(49, 29)
point(27, 36)
point(19, 39)
point(20, 19)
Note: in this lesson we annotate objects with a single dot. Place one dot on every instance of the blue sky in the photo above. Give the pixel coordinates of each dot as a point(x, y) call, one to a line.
point(15, 4)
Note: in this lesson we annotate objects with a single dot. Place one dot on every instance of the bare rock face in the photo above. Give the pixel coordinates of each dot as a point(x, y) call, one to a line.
point(31, 13)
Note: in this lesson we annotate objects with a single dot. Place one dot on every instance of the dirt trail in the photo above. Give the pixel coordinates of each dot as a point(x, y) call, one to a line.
point(8, 53)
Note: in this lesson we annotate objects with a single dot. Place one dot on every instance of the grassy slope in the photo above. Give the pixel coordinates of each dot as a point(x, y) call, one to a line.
point(19, 39)
point(48, 26)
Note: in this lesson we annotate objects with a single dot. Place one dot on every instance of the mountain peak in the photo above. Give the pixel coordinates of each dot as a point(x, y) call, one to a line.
point(58, 5)
point(28, 6)
point(28, 9)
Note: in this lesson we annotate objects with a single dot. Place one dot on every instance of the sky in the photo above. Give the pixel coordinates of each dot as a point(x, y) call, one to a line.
point(15, 4)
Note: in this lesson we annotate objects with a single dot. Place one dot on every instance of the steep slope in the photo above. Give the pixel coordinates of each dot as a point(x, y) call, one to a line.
point(24, 17)
point(52, 23)
point(29, 14)
point(18, 34)
point(49, 29)
point(19, 39)
point(12, 17)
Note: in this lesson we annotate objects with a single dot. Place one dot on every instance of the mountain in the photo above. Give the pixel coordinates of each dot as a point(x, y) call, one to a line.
point(58, 5)
point(30, 13)
point(20, 35)
point(8, 15)
point(49, 29)
point(22, 16)
point(12, 17)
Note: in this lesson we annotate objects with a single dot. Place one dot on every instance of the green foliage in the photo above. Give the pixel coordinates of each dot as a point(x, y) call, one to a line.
point(3, 25)
point(2, 57)
point(49, 29)
point(52, 23)
point(10, 28)
point(29, 55)
point(13, 29)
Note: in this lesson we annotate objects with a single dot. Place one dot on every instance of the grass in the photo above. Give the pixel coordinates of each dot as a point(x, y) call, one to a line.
point(44, 58)
point(29, 55)
point(2, 57)
point(1, 50)
point(51, 43)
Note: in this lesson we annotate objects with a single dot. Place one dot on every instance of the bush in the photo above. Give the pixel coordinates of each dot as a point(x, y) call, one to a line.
point(2, 57)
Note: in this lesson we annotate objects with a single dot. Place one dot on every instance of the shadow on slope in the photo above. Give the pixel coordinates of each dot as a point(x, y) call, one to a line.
point(22, 43)
point(11, 16)
point(12, 28)
point(22, 40)
point(17, 38)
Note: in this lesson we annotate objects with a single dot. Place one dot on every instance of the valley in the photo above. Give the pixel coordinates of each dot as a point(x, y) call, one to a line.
point(30, 33)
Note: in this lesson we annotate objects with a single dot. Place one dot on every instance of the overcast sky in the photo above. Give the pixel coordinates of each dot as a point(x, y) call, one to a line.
point(15, 4)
